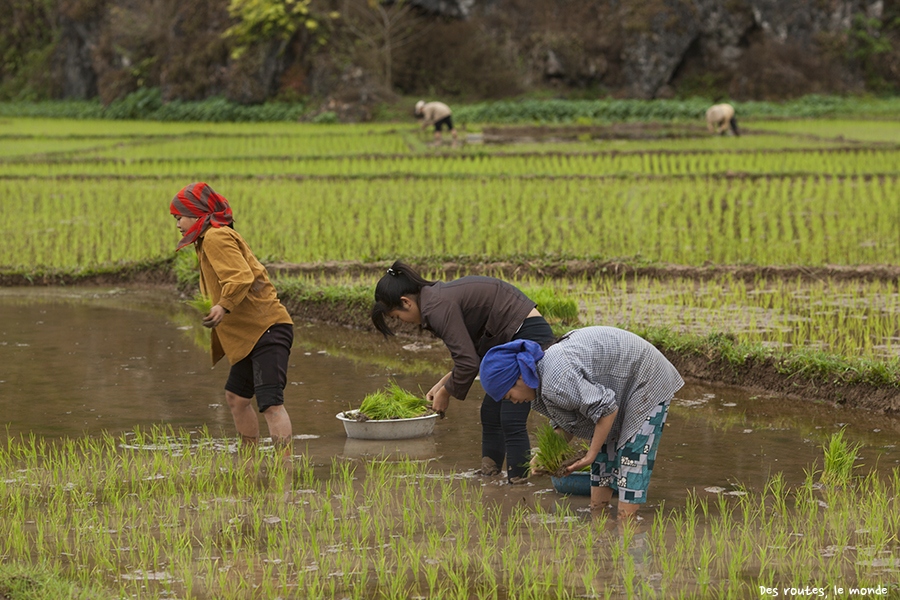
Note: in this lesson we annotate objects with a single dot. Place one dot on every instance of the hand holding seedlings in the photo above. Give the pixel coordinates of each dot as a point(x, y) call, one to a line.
point(439, 396)
point(555, 451)
point(215, 316)
point(574, 464)
point(602, 384)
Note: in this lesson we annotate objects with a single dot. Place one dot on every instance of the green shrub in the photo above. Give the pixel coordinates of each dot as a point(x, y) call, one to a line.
point(326, 118)
point(147, 104)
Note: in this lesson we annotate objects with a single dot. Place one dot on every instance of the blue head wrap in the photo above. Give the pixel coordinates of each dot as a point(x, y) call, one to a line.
point(502, 366)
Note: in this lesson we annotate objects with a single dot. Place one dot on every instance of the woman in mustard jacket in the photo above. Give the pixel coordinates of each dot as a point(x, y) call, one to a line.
point(249, 324)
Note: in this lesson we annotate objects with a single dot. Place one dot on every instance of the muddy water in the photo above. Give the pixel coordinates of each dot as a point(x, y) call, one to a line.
point(81, 361)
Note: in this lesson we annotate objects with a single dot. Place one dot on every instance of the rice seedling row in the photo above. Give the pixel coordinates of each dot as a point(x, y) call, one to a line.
point(807, 220)
point(836, 317)
point(196, 163)
point(162, 513)
point(886, 130)
point(22, 126)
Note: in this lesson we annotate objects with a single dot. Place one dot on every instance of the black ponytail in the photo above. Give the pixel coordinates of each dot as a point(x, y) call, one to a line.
point(400, 280)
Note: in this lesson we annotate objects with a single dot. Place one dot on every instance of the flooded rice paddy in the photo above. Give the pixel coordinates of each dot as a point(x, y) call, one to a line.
point(102, 374)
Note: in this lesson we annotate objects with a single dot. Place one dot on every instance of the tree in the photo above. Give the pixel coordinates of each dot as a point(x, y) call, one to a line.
point(265, 20)
point(384, 26)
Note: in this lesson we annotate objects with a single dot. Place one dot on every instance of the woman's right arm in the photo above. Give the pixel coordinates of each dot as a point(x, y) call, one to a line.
point(439, 396)
point(447, 323)
point(601, 432)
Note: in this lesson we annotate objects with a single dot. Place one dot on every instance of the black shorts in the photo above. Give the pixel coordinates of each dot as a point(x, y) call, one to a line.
point(263, 372)
point(448, 121)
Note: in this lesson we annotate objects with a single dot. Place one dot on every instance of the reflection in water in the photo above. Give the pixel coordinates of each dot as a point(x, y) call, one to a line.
point(86, 360)
point(415, 449)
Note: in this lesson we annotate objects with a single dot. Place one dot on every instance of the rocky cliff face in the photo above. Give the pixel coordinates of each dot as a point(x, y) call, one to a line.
point(637, 48)
point(722, 34)
point(652, 46)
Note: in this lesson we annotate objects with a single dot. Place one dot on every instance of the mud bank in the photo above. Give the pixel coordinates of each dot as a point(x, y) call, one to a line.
point(582, 268)
point(160, 272)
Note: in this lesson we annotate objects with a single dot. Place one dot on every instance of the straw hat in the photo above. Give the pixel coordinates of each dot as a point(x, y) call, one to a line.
point(419, 105)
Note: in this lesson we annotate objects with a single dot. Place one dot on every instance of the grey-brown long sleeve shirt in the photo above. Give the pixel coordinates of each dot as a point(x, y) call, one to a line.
point(472, 315)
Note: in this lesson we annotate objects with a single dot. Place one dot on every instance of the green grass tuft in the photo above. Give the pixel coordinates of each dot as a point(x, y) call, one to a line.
point(553, 306)
point(21, 582)
point(840, 459)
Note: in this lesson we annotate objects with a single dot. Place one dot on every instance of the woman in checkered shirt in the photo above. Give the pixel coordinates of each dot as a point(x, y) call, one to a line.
point(604, 384)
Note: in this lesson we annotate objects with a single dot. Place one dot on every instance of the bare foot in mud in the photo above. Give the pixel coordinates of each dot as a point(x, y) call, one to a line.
point(518, 480)
point(488, 467)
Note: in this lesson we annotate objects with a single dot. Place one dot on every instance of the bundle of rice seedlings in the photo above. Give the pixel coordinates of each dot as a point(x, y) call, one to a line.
point(554, 306)
point(554, 453)
point(840, 460)
point(200, 302)
point(392, 403)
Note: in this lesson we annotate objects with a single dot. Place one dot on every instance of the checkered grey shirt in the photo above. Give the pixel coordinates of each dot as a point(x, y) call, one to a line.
point(593, 371)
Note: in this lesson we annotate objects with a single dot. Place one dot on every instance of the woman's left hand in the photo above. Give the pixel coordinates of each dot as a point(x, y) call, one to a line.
point(584, 462)
point(215, 316)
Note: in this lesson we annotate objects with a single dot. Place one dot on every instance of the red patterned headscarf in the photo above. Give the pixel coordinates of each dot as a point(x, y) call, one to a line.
point(198, 200)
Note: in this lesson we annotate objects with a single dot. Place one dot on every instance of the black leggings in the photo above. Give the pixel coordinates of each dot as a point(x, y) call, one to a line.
point(263, 372)
point(504, 424)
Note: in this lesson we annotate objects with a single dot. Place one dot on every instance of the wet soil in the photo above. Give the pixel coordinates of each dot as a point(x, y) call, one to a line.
point(759, 375)
point(160, 273)
point(614, 131)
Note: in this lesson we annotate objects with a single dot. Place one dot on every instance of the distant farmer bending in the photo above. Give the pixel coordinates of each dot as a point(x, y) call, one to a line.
point(719, 117)
point(437, 114)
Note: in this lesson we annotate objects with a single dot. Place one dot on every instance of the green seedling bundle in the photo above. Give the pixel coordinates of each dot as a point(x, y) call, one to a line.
point(159, 513)
point(393, 402)
point(553, 451)
point(201, 302)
